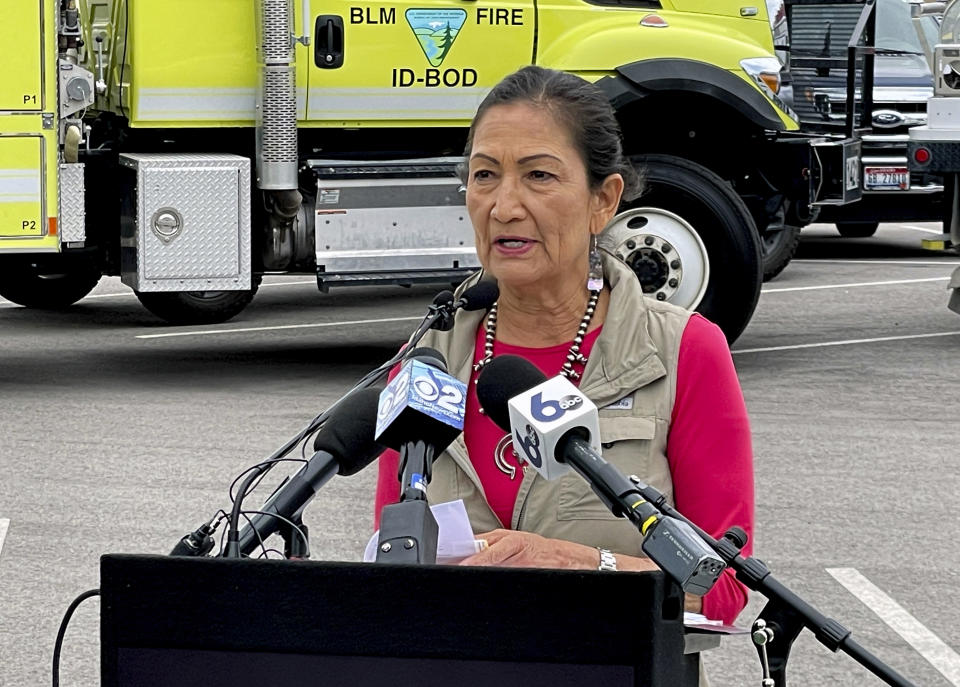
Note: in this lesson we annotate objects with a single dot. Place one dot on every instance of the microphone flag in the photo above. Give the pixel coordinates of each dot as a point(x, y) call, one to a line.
point(541, 416)
point(423, 396)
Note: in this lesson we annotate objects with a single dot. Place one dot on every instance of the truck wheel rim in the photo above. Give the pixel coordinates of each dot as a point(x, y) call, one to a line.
point(664, 251)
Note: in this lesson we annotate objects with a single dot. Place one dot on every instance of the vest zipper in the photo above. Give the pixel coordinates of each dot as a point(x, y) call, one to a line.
point(526, 496)
point(523, 509)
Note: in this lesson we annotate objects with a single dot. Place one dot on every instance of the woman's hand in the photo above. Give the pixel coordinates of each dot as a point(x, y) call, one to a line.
point(527, 550)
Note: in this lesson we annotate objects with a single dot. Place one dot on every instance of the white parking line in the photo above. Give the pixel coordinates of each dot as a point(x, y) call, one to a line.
point(847, 342)
point(131, 294)
point(812, 261)
point(240, 330)
point(854, 285)
point(4, 526)
point(927, 644)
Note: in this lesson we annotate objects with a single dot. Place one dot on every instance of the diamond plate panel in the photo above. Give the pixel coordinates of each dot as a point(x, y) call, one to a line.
point(192, 224)
point(944, 156)
point(71, 213)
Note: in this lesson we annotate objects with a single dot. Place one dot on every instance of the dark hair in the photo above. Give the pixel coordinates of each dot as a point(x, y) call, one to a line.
point(582, 108)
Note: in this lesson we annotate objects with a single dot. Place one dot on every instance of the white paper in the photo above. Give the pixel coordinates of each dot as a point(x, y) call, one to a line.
point(698, 619)
point(455, 540)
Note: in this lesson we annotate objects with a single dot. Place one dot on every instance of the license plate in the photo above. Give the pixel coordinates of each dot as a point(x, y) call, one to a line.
point(886, 179)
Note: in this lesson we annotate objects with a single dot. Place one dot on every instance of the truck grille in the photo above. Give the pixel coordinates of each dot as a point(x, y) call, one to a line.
point(819, 35)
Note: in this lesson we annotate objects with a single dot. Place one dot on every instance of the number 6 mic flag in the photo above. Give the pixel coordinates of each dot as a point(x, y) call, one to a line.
point(540, 417)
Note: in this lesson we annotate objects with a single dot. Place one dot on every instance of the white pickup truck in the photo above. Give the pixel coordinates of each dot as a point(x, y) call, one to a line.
point(935, 147)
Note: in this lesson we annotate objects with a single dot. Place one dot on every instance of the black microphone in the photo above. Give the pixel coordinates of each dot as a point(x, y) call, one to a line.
point(198, 543)
point(555, 427)
point(444, 308)
point(480, 296)
point(344, 446)
point(428, 355)
point(421, 412)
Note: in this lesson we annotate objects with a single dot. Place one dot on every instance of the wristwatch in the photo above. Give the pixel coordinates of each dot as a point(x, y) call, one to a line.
point(607, 560)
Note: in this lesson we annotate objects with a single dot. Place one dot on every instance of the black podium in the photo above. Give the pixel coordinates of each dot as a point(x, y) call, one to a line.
point(213, 622)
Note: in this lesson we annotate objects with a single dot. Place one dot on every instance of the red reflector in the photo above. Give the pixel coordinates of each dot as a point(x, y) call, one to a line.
point(921, 155)
point(52, 226)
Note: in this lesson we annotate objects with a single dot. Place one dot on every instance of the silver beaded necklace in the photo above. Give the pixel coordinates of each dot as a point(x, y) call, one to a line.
point(574, 356)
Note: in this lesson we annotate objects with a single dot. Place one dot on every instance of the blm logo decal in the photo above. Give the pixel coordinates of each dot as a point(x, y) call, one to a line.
point(436, 30)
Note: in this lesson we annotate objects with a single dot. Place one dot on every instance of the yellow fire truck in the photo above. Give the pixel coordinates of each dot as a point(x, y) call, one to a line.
point(191, 146)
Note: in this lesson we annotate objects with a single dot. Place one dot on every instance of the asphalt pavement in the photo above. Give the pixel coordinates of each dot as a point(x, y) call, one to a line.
point(121, 434)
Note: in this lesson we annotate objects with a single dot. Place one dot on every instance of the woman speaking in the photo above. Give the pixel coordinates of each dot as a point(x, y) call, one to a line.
point(545, 173)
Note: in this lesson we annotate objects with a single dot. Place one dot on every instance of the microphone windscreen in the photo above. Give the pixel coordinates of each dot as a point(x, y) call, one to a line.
point(348, 433)
point(443, 298)
point(481, 295)
point(429, 356)
point(500, 380)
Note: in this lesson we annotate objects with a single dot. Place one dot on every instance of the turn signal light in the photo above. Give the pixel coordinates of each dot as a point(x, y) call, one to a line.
point(921, 155)
point(772, 80)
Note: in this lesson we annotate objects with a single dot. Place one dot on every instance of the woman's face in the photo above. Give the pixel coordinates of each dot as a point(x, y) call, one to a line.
point(529, 199)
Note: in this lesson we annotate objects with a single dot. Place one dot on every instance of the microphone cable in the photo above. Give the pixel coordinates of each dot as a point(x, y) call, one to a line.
point(58, 645)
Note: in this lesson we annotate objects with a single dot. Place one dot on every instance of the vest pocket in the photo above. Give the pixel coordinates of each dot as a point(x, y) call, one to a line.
point(627, 443)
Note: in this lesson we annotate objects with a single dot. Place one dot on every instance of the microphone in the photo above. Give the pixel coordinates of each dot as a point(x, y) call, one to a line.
point(197, 543)
point(540, 413)
point(344, 446)
point(428, 356)
point(421, 412)
point(555, 427)
point(443, 307)
point(480, 296)
point(421, 401)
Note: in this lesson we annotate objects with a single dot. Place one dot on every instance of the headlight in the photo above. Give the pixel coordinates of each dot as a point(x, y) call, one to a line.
point(765, 71)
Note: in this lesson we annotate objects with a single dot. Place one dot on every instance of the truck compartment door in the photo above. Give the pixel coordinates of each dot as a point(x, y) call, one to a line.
point(21, 186)
point(185, 222)
point(21, 54)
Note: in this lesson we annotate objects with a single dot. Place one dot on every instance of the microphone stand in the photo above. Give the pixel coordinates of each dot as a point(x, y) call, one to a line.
point(295, 538)
point(785, 615)
point(408, 529)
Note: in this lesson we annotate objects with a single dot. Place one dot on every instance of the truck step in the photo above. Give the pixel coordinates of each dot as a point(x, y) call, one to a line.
point(326, 280)
point(383, 169)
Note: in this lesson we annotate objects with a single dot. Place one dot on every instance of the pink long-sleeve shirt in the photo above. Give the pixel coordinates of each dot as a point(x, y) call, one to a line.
point(708, 448)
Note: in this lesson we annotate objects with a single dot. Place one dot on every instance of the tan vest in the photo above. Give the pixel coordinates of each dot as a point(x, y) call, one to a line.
point(631, 375)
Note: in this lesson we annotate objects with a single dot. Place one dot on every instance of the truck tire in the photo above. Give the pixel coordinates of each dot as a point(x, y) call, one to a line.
point(857, 230)
point(691, 241)
point(778, 248)
point(197, 307)
point(47, 285)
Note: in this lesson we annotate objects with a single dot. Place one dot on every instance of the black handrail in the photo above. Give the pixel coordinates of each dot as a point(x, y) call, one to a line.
point(865, 29)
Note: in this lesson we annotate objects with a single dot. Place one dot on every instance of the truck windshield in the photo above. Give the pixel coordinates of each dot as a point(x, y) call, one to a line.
point(950, 31)
point(898, 32)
